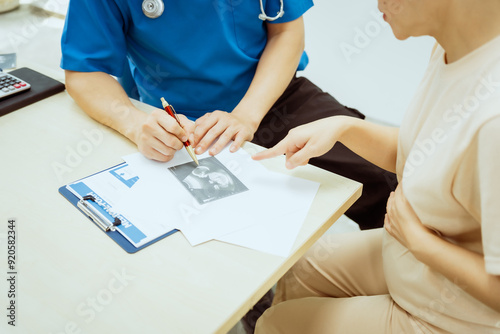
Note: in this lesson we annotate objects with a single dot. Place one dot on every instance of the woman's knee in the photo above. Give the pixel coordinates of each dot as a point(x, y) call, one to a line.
point(274, 320)
point(306, 277)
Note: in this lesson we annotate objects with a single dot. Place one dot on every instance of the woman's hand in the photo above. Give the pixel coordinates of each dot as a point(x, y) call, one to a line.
point(402, 222)
point(307, 141)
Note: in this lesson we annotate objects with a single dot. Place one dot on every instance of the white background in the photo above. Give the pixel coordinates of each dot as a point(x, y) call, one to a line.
point(381, 79)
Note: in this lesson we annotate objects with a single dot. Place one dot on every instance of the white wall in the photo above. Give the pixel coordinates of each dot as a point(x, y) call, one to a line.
point(371, 71)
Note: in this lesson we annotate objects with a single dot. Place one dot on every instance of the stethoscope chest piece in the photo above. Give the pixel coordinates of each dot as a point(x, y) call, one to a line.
point(153, 8)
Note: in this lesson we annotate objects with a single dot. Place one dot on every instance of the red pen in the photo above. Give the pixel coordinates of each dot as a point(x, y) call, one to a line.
point(171, 111)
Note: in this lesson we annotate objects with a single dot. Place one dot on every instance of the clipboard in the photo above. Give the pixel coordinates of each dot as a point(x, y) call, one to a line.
point(94, 211)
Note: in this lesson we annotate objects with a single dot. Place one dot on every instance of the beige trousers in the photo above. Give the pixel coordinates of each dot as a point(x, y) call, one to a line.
point(339, 287)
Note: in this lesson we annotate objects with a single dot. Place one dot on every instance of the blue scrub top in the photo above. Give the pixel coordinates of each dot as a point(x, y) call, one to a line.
point(201, 55)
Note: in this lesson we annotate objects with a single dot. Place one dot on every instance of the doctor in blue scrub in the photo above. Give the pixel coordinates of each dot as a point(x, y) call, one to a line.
point(227, 66)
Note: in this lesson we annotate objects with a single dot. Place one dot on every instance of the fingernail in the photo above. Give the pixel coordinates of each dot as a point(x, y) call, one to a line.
point(198, 150)
point(184, 138)
point(289, 165)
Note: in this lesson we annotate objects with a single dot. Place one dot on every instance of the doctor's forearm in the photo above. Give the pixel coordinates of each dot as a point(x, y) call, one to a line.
point(103, 99)
point(276, 68)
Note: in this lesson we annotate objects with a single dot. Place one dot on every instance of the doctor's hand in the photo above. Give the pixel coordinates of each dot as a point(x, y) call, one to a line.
point(306, 141)
point(160, 136)
point(402, 222)
point(219, 128)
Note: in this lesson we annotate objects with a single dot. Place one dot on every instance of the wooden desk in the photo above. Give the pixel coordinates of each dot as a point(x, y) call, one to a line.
point(73, 279)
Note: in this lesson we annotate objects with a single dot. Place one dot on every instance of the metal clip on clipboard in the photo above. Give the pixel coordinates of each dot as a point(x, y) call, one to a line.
point(96, 216)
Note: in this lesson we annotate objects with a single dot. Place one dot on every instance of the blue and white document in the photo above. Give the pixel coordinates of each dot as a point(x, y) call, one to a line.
point(228, 197)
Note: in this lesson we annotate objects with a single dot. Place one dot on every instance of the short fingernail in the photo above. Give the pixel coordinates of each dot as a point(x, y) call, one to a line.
point(212, 151)
point(198, 150)
point(232, 149)
point(289, 165)
point(184, 138)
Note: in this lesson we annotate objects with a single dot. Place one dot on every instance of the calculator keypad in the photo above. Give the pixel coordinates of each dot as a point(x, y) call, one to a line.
point(10, 85)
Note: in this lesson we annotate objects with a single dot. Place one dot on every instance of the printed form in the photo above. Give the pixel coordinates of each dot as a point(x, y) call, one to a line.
point(228, 197)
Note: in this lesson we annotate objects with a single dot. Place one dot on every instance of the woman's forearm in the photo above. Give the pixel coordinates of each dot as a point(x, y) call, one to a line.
point(375, 143)
point(461, 266)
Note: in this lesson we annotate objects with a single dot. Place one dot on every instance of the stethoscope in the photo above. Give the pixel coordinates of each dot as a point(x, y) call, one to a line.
point(154, 9)
point(263, 16)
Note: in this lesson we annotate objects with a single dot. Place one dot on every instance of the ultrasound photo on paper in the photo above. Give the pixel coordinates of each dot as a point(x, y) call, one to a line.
point(208, 182)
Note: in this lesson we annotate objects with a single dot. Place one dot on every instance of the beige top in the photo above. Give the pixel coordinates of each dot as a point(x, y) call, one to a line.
point(449, 166)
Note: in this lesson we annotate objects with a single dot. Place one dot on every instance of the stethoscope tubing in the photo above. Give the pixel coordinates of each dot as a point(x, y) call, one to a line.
point(154, 9)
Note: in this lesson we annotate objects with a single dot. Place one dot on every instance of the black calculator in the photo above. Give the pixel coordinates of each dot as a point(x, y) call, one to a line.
point(10, 85)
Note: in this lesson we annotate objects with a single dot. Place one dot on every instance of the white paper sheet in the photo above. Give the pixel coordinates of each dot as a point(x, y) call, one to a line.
point(276, 237)
point(273, 208)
